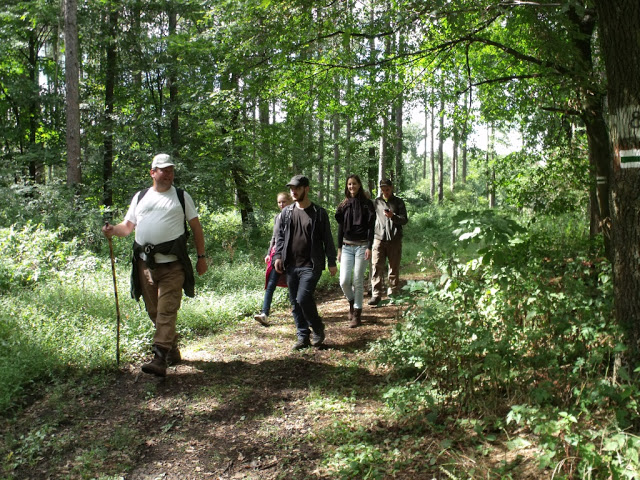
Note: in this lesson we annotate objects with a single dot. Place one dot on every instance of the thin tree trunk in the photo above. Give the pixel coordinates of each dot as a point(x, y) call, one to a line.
point(320, 161)
point(230, 82)
point(72, 101)
point(399, 144)
point(426, 139)
point(468, 102)
point(110, 82)
point(383, 148)
point(441, 153)
point(432, 149)
point(36, 167)
point(174, 102)
point(336, 157)
point(454, 162)
point(491, 172)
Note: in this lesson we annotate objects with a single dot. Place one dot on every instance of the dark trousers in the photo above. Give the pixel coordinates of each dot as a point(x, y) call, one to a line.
point(272, 283)
point(302, 283)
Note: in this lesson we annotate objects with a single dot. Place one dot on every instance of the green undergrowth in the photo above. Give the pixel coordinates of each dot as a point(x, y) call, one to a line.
point(58, 310)
point(517, 336)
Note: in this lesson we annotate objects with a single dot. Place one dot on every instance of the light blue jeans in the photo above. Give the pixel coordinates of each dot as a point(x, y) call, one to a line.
point(352, 267)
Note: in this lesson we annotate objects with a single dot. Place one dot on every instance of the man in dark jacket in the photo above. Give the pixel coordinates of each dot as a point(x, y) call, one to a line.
point(304, 240)
point(161, 264)
point(391, 215)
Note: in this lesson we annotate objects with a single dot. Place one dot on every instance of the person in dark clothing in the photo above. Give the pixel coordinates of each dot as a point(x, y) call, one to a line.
point(304, 241)
point(391, 216)
point(273, 278)
point(161, 264)
point(356, 219)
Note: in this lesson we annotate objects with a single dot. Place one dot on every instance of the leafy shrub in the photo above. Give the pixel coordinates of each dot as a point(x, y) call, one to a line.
point(519, 329)
point(32, 253)
point(55, 207)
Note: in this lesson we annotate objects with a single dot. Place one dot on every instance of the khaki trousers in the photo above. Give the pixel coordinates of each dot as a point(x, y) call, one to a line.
point(162, 294)
point(385, 250)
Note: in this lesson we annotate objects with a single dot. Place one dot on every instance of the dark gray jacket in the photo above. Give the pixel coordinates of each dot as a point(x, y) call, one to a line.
point(322, 244)
point(389, 228)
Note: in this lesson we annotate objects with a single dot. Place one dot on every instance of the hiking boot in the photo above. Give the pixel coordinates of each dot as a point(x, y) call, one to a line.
point(350, 310)
point(302, 343)
point(174, 357)
point(157, 366)
point(261, 318)
point(357, 320)
point(374, 301)
point(317, 339)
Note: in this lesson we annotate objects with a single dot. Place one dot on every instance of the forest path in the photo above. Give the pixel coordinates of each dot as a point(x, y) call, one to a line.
point(244, 405)
point(241, 405)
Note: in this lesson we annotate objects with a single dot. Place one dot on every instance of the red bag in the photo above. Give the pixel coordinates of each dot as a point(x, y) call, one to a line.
point(282, 281)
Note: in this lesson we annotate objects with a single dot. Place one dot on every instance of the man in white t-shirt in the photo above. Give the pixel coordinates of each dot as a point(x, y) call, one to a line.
point(161, 264)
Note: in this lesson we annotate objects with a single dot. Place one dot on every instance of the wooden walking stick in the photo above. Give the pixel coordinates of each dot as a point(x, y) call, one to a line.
point(115, 290)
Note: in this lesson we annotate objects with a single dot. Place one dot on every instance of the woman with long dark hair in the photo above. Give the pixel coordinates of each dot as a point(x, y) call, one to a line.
point(356, 220)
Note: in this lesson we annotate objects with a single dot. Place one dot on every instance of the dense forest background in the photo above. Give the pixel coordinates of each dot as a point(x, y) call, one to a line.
point(246, 93)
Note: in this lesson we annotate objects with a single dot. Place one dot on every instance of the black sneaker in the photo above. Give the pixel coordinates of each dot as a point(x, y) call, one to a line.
point(317, 339)
point(301, 344)
point(374, 301)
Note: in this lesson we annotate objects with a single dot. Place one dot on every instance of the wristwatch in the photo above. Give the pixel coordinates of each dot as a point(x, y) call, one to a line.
point(204, 255)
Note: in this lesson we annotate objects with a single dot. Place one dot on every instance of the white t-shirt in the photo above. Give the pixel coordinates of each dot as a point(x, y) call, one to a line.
point(158, 218)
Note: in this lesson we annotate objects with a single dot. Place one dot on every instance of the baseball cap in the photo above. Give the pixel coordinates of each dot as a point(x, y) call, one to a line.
point(386, 183)
point(298, 181)
point(162, 160)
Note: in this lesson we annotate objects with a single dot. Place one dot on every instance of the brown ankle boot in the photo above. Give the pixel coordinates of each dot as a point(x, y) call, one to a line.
point(356, 320)
point(174, 357)
point(157, 366)
point(351, 310)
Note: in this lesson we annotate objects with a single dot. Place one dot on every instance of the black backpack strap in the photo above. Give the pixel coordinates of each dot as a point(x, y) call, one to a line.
point(142, 193)
point(180, 193)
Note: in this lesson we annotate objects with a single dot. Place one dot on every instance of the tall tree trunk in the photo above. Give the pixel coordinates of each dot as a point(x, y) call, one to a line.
point(371, 171)
point(600, 154)
point(110, 82)
point(174, 102)
point(233, 151)
point(441, 153)
point(468, 102)
point(137, 34)
point(36, 167)
point(399, 177)
point(620, 38)
point(72, 101)
point(432, 149)
point(347, 151)
point(383, 148)
point(426, 138)
point(491, 172)
point(454, 162)
point(320, 161)
point(336, 157)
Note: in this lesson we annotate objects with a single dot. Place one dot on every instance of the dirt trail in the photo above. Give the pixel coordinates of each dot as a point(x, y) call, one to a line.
point(241, 405)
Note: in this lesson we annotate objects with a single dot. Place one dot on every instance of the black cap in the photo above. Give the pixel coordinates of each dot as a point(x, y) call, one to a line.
point(386, 183)
point(298, 181)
